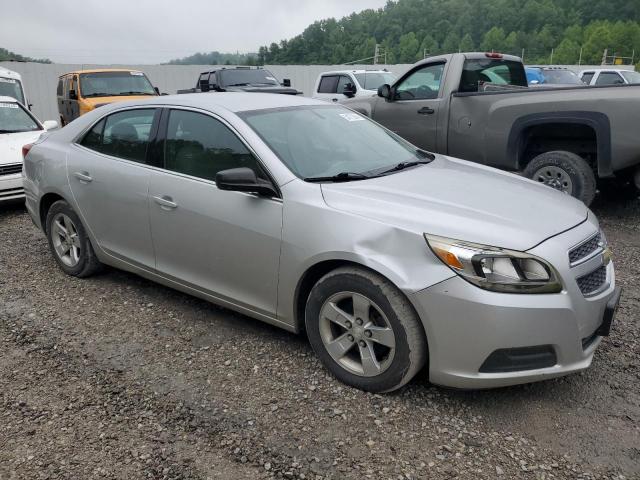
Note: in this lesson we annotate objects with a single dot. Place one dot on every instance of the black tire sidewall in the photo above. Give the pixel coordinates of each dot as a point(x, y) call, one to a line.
point(324, 289)
point(63, 207)
point(581, 174)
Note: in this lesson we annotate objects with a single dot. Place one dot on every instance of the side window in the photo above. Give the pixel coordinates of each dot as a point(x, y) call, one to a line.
point(609, 78)
point(93, 138)
point(59, 90)
point(123, 134)
point(587, 77)
point(204, 80)
point(73, 84)
point(328, 84)
point(343, 82)
point(65, 82)
point(422, 84)
point(201, 146)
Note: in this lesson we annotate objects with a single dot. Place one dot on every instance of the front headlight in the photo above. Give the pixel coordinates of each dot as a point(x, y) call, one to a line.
point(495, 269)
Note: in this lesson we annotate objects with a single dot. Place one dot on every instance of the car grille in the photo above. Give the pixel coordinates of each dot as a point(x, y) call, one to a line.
point(592, 282)
point(585, 249)
point(10, 169)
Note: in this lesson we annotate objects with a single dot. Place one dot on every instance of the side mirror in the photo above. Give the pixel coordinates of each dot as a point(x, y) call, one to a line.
point(243, 180)
point(50, 125)
point(29, 106)
point(534, 82)
point(73, 95)
point(157, 90)
point(286, 82)
point(384, 91)
point(349, 90)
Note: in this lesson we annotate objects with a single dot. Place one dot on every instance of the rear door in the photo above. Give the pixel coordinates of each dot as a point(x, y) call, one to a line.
point(109, 179)
point(413, 111)
point(223, 243)
point(610, 78)
point(74, 103)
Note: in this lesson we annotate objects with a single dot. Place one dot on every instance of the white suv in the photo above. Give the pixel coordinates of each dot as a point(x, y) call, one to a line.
point(340, 85)
point(612, 76)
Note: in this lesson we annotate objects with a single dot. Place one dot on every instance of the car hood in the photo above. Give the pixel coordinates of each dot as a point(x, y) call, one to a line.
point(457, 199)
point(94, 102)
point(11, 145)
point(264, 89)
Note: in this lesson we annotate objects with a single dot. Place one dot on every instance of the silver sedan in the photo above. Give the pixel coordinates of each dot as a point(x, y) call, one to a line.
point(313, 218)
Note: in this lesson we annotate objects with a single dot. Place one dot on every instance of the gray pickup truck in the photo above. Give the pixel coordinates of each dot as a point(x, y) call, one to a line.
point(477, 106)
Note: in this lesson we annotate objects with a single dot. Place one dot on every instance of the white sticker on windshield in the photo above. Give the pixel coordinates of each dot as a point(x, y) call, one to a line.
point(8, 105)
point(7, 80)
point(271, 78)
point(351, 117)
point(137, 74)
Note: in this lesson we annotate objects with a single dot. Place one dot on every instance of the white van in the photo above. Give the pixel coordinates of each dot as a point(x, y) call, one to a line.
point(11, 86)
point(343, 84)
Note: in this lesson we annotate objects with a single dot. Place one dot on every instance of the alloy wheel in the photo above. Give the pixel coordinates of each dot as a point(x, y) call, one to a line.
point(65, 239)
point(357, 334)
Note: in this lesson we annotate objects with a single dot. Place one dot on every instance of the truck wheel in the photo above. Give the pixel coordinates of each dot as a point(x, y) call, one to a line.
point(364, 330)
point(564, 171)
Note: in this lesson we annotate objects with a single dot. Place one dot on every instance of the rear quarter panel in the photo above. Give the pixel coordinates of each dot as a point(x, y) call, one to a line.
point(480, 124)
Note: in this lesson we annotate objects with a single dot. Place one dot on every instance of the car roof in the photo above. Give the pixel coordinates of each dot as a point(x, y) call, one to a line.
point(231, 101)
point(100, 70)
point(337, 72)
point(6, 73)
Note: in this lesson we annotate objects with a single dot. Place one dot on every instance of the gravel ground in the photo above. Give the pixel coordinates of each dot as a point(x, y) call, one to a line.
point(117, 377)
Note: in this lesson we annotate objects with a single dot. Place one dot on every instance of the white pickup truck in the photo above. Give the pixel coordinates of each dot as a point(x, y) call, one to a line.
point(342, 84)
point(11, 86)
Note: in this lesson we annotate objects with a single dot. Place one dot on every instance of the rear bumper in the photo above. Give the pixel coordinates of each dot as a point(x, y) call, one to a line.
point(11, 187)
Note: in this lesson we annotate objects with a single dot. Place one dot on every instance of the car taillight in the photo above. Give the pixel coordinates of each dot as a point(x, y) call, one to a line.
point(493, 55)
point(25, 149)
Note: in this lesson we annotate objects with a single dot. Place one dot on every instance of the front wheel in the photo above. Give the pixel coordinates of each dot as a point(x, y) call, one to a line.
point(566, 172)
point(364, 330)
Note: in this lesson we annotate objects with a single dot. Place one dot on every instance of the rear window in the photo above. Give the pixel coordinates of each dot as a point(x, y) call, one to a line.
point(477, 72)
point(587, 77)
point(11, 87)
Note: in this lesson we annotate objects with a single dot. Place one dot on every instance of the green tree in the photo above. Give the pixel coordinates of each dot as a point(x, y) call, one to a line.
point(408, 48)
point(493, 40)
point(466, 44)
point(568, 52)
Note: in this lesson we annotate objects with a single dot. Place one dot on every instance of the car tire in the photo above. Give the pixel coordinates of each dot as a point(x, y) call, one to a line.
point(564, 171)
point(378, 353)
point(69, 242)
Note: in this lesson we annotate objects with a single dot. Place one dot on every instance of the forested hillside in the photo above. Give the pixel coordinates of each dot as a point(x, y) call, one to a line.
point(217, 58)
point(6, 55)
point(407, 29)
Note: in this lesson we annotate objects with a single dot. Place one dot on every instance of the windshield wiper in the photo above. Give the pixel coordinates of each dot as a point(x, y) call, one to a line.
point(340, 177)
point(98, 95)
point(135, 93)
point(238, 85)
point(403, 165)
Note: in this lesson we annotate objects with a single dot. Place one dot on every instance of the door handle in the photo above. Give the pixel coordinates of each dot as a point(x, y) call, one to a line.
point(426, 111)
point(84, 177)
point(166, 202)
point(334, 99)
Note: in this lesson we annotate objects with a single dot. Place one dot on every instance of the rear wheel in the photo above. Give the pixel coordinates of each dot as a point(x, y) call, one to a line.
point(566, 172)
point(364, 330)
point(69, 242)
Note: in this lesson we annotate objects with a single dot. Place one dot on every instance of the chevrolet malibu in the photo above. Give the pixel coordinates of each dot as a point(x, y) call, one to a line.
point(313, 218)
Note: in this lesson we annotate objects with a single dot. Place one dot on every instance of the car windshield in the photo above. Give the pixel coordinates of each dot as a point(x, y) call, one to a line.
point(14, 118)
point(566, 77)
point(247, 77)
point(373, 80)
point(107, 84)
point(631, 77)
point(11, 87)
point(323, 141)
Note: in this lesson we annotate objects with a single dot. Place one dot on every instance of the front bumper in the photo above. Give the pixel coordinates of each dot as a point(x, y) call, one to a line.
point(465, 325)
point(11, 187)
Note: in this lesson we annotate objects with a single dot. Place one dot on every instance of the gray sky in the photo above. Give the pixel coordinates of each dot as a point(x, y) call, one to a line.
point(154, 31)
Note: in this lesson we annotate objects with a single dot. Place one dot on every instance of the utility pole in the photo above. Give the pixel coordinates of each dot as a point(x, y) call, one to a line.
point(580, 59)
point(604, 56)
point(522, 56)
point(376, 53)
point(551, 59)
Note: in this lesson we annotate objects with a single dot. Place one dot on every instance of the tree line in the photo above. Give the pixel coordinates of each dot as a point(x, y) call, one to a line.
point(407, 30)
point(7, 56)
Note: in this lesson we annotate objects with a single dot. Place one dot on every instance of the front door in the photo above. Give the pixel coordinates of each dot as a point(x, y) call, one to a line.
point(413, 111)
point(74, 104)
point(223, 243)
point(109, 180)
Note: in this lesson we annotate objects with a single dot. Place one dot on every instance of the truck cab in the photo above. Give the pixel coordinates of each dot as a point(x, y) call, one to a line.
point(11, 86)
point(81, 91)
point(340, 85)
point(241, 79)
